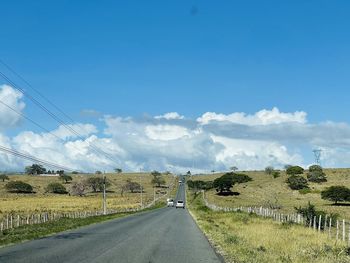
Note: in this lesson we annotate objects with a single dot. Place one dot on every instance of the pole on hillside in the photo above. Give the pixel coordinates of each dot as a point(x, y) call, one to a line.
point(104, 194)
point(141, 197)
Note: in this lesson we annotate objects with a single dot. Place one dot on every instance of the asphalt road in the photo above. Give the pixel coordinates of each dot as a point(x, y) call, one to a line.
point(165, 235)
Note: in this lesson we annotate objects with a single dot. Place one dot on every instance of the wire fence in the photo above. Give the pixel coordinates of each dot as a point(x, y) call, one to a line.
point(334, 228)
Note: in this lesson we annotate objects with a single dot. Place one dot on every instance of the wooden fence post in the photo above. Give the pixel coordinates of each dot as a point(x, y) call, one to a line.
point(319, 223)
point(330, 227)
point(337, 235)
point(344, 230)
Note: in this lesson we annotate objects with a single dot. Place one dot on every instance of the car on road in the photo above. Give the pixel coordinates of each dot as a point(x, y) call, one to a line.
point(170, 202)
point(180, 204)
point(180, 182)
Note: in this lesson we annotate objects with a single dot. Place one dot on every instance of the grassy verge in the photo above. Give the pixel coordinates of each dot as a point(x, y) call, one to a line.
point(242, 237)
point(30, 232)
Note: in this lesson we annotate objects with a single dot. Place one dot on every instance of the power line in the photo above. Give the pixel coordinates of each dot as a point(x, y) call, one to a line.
point(52, 115)
point(35, 159)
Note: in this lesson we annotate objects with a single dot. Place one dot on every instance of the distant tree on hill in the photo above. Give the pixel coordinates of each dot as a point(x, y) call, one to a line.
point(56, 188)
point(294, 170)
point(75, 172)
point(336, 194)
point(315, 168)
point(78, 188)
point(96, 183)
point(234, 168)
point(66, 178)
point(157, 179)
point(18, 187)
point(269, 170)
point(188, 173)
point(224, 183)
point(4, 177)
point(35, 169)
point(98, 172)
point(297, 182)
point(131, 186)
point(118, 170)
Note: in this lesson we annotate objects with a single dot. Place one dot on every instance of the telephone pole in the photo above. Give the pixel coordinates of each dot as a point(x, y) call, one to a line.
point(141, 189)
point(104, 194)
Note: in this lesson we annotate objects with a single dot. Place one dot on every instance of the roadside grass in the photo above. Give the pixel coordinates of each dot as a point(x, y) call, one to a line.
point(242, 237)
point(44, 202)
point(30, 232)
point(271, 192)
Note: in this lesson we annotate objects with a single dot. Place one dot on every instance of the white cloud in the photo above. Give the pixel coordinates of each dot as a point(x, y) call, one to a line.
point(75, 130)
point(263, 117)
point(13, 99)
point(214, 141)
point(170, 116)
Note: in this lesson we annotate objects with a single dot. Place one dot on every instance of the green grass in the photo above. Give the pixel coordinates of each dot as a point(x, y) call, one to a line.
point(267, 191)
point(30, 232)
point(242, 237)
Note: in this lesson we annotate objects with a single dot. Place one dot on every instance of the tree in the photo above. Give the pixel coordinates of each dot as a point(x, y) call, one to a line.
point(78, 188)
point(35, 169)
point(294, 170)
point(60, 172)
point(223, 183)
point(157, 179)
point(234, 168)
point(316, 177)
point(131, 186)
point(269, 170)
point(336, 194)
point(315, 168)
point(188, 173)
point(297, 182)
point(75, 172)
point(66, 178)
point(98, 172)
point(56, 188)
point(4, 177)
point(276, 174)
point(96, 183)
point(198, 185)
point(18, 187)
point(118, 170)
point(240, 178)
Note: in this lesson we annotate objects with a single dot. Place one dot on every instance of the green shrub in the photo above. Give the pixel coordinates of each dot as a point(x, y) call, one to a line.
point(297, 182)
point(294, 170)
point(4, 177)
point(19, 187)
point(316, 176)
point(276, 174)
point(56, 188)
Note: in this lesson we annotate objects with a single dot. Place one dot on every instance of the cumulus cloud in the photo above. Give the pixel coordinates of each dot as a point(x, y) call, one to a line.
point(213, 141)
point(13, 99)
point(263, 117)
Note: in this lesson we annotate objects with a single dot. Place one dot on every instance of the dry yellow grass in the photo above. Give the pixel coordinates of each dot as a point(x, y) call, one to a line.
point(241, 237)
point(41, 201)
point(265, 191)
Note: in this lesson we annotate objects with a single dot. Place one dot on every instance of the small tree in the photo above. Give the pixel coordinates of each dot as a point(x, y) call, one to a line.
point(35, 169)
point(269, 170)
point(75, 172)
point(56, 188)
point(98, 172)
point(316, 176)
point(315, 168)
point(18, 187)
point(96, 183)
point(223, 183)
point(188, 173)
point(234, 168)
point(79, 188)
point(131, 186)
point(118, 170)
point(276, 174)
point(157, 179)
point(66, 178)
point(336, 194)
point(294, 170)
point(4, 177)
point(297, 182)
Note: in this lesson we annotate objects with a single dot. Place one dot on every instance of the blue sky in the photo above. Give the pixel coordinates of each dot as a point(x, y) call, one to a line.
point(131, 58)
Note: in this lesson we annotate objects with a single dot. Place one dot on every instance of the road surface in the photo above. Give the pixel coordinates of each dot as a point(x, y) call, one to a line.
point(165, 235)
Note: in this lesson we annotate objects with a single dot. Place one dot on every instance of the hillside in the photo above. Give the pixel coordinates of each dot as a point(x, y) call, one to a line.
point(267, 191)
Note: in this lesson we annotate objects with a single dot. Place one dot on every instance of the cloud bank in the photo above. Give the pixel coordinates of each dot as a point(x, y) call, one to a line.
point(212, 141)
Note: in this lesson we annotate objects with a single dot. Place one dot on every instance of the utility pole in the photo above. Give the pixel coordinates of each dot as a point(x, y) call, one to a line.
point(141, 189)
point(154, 195)
point(104, 194)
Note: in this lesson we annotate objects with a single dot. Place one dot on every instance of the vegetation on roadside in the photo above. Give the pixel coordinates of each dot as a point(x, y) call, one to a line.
point(243, 237)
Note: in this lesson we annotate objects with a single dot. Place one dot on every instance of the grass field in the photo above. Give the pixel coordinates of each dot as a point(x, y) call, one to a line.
point(41, 201)
point(242, 237)
point(266, 191)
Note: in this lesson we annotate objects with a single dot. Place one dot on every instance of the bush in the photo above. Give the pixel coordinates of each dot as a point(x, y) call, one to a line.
point(294, 170)
point(315, 168)
point(66, 178)
point(4, 177)
point(316, 176)
point(336, 194)
point(297, 182)
point(269, 170)
point(56, 188)
point(276, 174)
point(96, 183)
point(200, 185)
point(19, 187)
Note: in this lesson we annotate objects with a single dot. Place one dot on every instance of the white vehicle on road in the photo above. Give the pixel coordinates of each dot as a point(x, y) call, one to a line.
point(180, 204)
point(170, 202)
